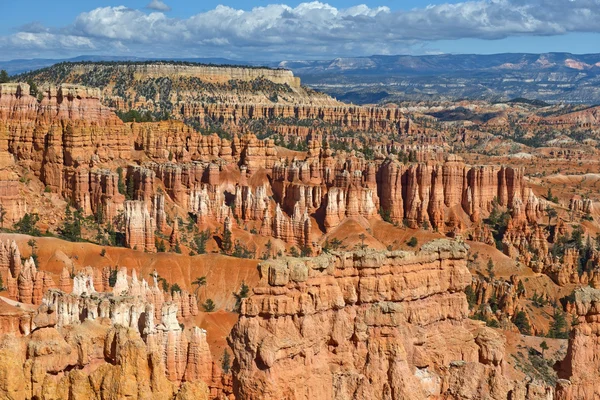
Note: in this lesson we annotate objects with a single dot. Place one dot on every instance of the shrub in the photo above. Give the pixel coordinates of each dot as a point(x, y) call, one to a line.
point(209, 305)
point(412, 242)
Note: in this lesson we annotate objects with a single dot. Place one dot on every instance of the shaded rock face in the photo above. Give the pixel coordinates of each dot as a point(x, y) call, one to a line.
point(372, 325)
point(581, 366)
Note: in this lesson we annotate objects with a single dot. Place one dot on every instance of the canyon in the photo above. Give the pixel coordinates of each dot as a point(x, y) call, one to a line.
point(252, 238)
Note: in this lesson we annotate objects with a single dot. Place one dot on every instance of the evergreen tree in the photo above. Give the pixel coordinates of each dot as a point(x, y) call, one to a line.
point(558, 328)
point(4, 76)
point(490, 269)
point(175, 288)
point(226, 362)
point(522, 323)
point(130, 195)
point(71, 229)
point(226, 242)
point(199, 282)
point(28, 225)
point(201, 240)
point(209, 305)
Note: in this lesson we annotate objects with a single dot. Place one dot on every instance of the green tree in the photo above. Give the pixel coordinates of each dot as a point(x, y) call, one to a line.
point(209, 305)
point(177, 247)
point(268, 248)
point(28, 225)
point(551, 197)
point(412, 242)
point(544, 347)
point(226, 362)
point(522, 323)
point(490, 269)
point(198, 282)
point(551, 213)
point(130, 195)
point(241, 295)
point(33, 89)
point(558, 328)
point(71, 228)
point(362, 238)
point(4, 78)
point(471, 296)
point(201, 240)
point(161, 247)
point(175, 288)
point(226, 242)
point(294, 252)
point(334, 244)
point(386, 215)
point(520, 288)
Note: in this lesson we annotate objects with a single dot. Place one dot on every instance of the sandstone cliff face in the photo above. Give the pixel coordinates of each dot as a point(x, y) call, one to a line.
point(23, 281)
point(581, 365)
point(110, 346)
point(367, 325)
point(73, 144)
point(139, 226)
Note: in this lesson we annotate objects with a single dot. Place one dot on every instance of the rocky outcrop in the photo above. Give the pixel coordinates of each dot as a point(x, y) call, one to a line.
point(24, 282)
point(110, 346)
point(582, 362)
point(139, 226)
point(581, 206)
point(367, 325)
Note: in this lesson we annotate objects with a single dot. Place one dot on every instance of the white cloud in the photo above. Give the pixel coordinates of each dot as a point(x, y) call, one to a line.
point(158, 5)
point(312, 29)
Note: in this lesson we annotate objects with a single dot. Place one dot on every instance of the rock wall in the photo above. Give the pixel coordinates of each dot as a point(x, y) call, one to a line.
point(139, 226)
point(581, 366)
point(115, 345)
point(367, 325)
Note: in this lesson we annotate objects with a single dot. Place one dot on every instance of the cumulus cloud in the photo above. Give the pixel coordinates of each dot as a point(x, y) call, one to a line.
point(158, 5)
point(311, 29)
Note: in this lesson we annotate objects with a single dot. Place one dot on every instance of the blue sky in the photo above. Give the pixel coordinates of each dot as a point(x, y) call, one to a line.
point(270, 30)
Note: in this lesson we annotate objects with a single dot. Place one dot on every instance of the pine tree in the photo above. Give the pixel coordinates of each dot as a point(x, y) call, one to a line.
point(558, 327)
point(226, 243)
point(130, 188)
point(226, 362)
point(490, 269)
point(522, 323)
point(239, 296)
point(4, 78)
point(209, 305)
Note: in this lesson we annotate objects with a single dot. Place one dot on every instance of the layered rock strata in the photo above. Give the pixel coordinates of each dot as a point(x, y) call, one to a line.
point(368, 325)
point(580, 367)
point(115, 345)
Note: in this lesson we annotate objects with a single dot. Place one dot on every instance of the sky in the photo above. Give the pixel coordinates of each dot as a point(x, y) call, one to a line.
point(267, 30)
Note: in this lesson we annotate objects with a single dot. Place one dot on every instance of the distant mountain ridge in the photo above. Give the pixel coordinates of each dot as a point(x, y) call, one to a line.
point(551, 77)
